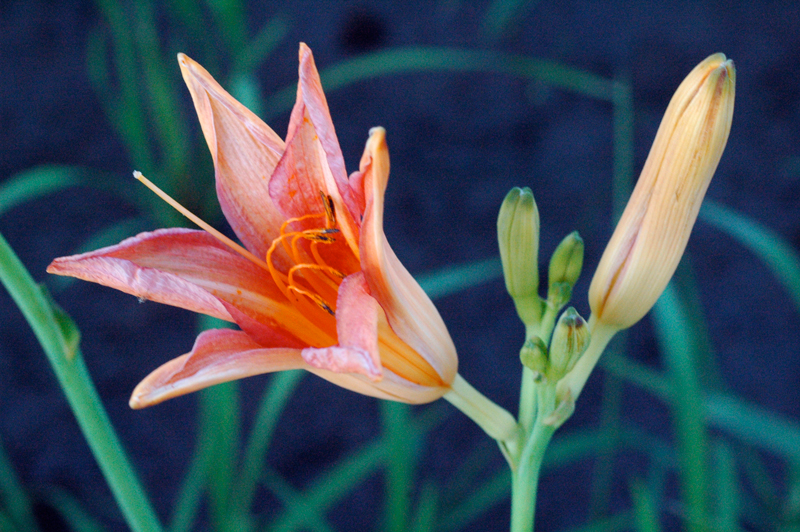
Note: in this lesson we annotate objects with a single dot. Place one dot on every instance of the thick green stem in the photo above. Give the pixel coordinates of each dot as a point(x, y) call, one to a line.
point(50, 327)
point(525, 478)
point(492, 418)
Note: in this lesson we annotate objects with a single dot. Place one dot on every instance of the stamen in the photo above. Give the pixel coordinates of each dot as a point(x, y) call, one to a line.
point(315, 298)
point(325, 285)
point(200, 223)
point(285, 224)
point(330, 210)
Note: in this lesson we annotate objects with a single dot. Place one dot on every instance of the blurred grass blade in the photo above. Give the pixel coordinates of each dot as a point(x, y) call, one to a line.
point(14, 500)
point(313, 517)
point(401, 462)
point(276, 395)
point(424, 519)
point(774, 251)
point(487, 495)
point(32, 184)
point(754, 425)
point(328, 488)
point(331, 486)
point(673, 332)
point(791, 506)
point(6, 524)
point(726, 488)
point(125, 109)
point(189, 14)
point(638, 374)
point(470, 472)
point(71, 510)
point(260, 46)
point(615, 523)
point(610, 421)
point(404, 60)
point(454, 279)
point(502, 18)
point(623, 146)
point(161, 86)
point(230, 17)
point(220, 423)
point(644, 508)
point(185, 510)
point(707, 364)
point(80, 392)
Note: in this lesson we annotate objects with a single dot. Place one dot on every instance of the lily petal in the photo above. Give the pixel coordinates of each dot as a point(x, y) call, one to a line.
point(357, 326)
point(409, 310)
point(192, 270)
point(299, 178)
point(218, 355)
point(391, 387)
point(309, 91)
point(112, 266)
point(245, 152)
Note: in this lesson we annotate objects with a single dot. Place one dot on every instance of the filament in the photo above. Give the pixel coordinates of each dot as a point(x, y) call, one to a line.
point(200, 223)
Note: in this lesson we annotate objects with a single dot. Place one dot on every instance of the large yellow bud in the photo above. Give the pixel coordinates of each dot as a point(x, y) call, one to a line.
point(652, 234)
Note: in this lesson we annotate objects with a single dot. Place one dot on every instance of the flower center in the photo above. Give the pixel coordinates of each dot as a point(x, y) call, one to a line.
point(310, 283)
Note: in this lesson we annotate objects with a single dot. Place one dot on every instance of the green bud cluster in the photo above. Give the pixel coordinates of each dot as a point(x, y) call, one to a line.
point(518, 239)
point(570, 340)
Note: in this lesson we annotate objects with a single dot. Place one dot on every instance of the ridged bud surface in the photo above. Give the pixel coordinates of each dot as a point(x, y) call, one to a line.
point(651, 236)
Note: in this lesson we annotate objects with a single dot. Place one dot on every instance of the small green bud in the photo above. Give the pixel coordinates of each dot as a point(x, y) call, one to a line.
point(565, 265)
point(570, 340)
point(533, 355)
point(518, 236)
point(518, 239)
point(559, 295)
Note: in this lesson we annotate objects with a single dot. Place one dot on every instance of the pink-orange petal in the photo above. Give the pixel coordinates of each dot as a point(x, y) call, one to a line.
point(298, 181)
point(192, 270)
point(357, 315)
point(309, 90)
point(409, 311)
point(269, 332)
point(218, 356)
point(391, 387)
point(114, 266)
point(245, 152)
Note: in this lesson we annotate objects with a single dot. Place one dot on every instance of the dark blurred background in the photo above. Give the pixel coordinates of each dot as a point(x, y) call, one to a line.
point(458, 142)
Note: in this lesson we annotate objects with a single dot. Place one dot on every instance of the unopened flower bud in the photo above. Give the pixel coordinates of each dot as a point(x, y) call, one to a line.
point(651, 236)
point(518, 238)
point(570, 340)
point(533, 355)
point(565, 268)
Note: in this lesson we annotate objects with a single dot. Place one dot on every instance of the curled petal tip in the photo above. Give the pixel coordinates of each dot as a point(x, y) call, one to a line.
point(377, 132)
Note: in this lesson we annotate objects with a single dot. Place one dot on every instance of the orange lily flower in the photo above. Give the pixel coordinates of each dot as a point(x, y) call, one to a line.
point(317, 287)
